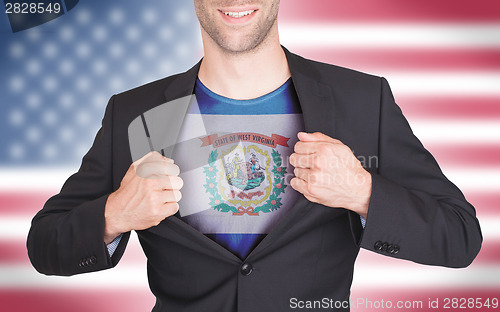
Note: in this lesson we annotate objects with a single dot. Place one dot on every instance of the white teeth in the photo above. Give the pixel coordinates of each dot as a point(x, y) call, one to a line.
point(239, 14)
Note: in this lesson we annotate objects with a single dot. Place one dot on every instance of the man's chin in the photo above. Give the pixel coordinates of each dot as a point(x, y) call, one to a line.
point(240, 45)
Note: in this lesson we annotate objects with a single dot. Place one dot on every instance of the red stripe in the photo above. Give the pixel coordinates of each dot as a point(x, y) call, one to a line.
point(367, 299)
point(383, 60)
point(77, 300)
point(106, 300)
point(450, 107)
point(18, 202)
point(15, 252)
point(391, 11)
point(486, 204)
point(489, 255)
point(466, 155)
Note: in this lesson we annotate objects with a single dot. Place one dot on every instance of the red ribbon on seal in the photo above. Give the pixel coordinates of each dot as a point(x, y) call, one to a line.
point(242, 211)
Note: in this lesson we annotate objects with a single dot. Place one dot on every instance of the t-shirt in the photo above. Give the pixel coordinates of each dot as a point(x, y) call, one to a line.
point(233, 158)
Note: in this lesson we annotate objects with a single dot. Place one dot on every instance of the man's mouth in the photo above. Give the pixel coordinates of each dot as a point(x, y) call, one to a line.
point(239, 14)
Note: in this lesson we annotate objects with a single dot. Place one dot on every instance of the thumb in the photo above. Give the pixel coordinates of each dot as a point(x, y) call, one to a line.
point(316, 137)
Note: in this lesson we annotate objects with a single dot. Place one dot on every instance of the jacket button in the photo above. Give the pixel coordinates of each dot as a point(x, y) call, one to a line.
point(378, 245)
point(390, 249)
point(395, 249)
point(93, 260)
point(246, 269)
point(385, 245)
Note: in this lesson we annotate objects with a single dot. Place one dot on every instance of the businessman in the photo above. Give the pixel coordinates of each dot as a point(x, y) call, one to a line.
point(234, 236)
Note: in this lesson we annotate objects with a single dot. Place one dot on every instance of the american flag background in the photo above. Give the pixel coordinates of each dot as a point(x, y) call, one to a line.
point(441, 57)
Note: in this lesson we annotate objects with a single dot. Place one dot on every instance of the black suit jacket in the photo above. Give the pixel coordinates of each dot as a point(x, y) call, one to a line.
point(415, 213)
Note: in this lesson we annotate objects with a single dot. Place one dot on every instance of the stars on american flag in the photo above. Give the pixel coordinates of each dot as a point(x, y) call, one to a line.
point(62, 73)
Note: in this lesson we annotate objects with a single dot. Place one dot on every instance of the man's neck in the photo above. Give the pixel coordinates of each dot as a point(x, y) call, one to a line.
point(244, 75)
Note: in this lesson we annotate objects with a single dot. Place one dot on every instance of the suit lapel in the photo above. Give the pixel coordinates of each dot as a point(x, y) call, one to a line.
point(317, 103)
point(183, 84)
point(318, 107)
point(315, 97)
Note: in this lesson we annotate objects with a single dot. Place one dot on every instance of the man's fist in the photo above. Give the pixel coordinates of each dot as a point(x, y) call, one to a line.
point(328, 173)
point(149, 192)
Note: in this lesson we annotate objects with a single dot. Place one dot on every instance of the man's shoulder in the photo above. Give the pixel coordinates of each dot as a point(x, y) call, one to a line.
point(332, 73)
point(128, 105)
point(131, 103)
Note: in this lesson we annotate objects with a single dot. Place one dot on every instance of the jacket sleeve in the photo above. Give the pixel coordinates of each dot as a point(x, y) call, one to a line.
point(67, 235)
point(415, 212)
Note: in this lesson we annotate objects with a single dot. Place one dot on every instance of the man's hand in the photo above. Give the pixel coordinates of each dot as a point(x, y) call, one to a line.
point(148, 193)
point(328, 173)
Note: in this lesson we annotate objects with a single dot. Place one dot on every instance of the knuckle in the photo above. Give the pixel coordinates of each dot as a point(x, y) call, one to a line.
point(345, 150)
point(155, 210)
point(297, 147)
point(318, 161)
point(168, 183)
point(179, 183)
point(172, 208)
point(149, 184)
point(155, 222)
point(173, 169)
point(151, 199)
point(315, 177)
point(311, 190)
point(177, 195)
point(323, 148)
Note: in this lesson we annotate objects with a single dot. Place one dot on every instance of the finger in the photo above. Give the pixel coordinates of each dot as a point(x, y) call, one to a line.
point(171, 208)
point(168, 160)
point(311, 176)
point(157, 157)
point(132, 169)
point(301, 186)
point(305, 147)
point(170, 196)
point(302, 161)
point(157, 169)
point(302, 174)
point(152, 156)
point(316, 137)
point(172, 183)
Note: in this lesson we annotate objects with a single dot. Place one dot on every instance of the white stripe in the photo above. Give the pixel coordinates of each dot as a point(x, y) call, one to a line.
point(472, 180)
point(333, 35)
point(24, 178)
point(16, 228)
point(123, 277)
point(418, 276)
point(470, 83)
point(130, 276)
point(456, 131)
